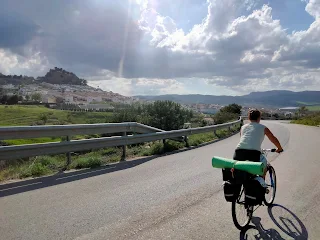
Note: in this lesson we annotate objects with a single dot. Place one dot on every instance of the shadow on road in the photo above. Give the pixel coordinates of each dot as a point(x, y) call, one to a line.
point(288, 222)
point(258, 232)
point(60, 178)
point(284, 219)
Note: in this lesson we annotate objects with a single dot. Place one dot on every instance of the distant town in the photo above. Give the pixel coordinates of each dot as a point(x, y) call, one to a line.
point(62, 87)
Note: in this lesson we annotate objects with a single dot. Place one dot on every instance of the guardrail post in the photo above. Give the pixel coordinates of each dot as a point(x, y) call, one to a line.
point(186, 141)
point(124, 149)
point(215, 133)
point(164, 143)
point(68, 153)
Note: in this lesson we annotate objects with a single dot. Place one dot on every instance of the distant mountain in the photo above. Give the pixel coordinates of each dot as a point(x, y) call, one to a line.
point(61, 76)
point(277, 98)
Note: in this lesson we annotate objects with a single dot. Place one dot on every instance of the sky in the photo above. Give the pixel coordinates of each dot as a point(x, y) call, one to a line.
point(154, 47)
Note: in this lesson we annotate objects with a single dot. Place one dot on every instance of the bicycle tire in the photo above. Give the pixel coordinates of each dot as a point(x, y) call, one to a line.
point(249, 212)
point(273, 172)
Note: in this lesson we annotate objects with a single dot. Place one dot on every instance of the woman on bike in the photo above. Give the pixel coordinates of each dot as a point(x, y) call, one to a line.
point(252, 136)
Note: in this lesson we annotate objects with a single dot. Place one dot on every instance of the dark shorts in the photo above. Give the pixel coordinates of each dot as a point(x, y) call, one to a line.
point(244, 154)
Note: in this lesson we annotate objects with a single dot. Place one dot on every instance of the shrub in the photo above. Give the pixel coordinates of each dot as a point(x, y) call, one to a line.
point(172, 146)
point(156, 148)
point(38, 169)
point(87, 162)
point(35, 170)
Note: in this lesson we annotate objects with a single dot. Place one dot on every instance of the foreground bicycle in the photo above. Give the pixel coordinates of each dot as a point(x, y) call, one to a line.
point(241, 211)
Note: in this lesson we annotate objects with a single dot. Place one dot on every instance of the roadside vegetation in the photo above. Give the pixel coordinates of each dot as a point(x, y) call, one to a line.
point(161, 114)
point(312, 119)
point(306, 117)
point(46, 165)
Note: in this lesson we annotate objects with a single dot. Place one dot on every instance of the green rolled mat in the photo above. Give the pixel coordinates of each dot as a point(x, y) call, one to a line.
point(256, 168)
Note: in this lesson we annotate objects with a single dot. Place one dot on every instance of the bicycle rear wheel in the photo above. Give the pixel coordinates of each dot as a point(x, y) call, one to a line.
point(241, 214)
point(271, 181)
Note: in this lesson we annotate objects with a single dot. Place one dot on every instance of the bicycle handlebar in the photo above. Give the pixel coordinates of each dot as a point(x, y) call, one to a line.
point(270, 150)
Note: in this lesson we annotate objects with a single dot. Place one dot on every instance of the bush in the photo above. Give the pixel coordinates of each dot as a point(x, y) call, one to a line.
point(311, 120)
point(38, 169)
point(223, 117)
point(35, 170)
point(171, 146)
point(87, 162)
point(156, 149)
point(166, 115)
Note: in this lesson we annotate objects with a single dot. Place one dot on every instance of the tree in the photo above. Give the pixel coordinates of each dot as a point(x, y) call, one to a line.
point(20, 98)
point(36, 97)
point(276, 115)
point(223, 117)
point(165, 115)
point(4, 99)
point(13, 100)
point(302, 110)
point(232, 108)
point(27, 97)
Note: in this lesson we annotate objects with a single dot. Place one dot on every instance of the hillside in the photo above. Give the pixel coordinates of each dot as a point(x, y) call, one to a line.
point(277, 98)
point(54, 76)
point(15, 80)
point(61, 76)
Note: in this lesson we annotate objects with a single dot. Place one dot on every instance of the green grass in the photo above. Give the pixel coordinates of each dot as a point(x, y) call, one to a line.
point(309, 103)
point(311, 120)
point(20, 115)
point(314, 108)
point(87, 162)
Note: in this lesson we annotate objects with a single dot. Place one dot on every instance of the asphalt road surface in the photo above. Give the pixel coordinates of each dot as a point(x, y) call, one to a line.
point(178, 196)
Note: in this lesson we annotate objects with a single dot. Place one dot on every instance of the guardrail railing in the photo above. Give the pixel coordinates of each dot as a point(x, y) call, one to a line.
point(147, 134)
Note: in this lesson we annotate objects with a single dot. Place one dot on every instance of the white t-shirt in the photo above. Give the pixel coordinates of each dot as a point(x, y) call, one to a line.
point(252, 135)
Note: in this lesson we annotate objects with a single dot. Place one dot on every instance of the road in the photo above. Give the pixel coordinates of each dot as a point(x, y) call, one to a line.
point(177, 196)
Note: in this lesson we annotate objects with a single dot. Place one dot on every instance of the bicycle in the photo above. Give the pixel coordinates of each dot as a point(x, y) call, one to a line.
point(247, 211)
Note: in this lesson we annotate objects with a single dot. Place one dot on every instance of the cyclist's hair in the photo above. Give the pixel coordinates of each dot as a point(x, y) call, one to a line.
point(254, 114)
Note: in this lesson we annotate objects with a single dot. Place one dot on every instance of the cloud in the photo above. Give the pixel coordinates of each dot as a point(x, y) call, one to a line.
point(11, 63)
point(133, 47)
point(16, 30)
point(313, 8)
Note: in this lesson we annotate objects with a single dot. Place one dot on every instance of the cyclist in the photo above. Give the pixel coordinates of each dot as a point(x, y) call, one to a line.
point(252, 136)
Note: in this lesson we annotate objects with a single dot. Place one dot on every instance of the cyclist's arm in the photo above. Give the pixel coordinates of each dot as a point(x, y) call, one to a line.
point(273, 139)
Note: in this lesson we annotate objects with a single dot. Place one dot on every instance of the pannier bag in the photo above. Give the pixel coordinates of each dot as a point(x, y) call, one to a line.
point(254, 193)
point(231, 191)
point(238, 176)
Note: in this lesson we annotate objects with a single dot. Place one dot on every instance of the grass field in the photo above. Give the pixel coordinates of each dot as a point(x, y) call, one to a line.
point(314, 108)
point(19, 115)
point(309, 103)
point(311, 106)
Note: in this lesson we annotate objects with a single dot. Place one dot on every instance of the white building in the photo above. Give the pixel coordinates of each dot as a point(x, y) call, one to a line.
point(94, 99)
point(48, 99)
point(69, 99)
point(8, 86)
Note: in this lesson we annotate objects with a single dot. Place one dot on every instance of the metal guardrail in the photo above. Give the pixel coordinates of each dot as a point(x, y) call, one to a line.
point(24, 132)
point(149, 134)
